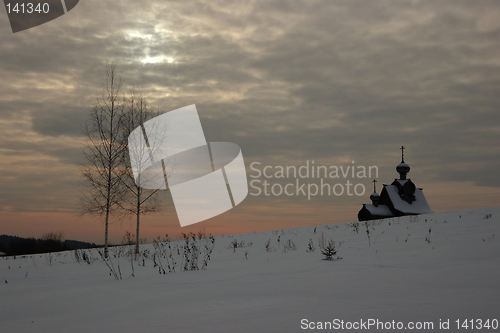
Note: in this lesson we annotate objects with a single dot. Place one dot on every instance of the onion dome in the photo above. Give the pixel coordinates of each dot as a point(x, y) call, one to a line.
point(403, 168)
point(375, 197)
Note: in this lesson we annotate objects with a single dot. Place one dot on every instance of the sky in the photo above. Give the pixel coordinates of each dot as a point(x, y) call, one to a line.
point(290, 82)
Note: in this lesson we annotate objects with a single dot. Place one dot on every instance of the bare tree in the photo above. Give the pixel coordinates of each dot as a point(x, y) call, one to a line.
point(140, 200)
point(53, 236)
point(104, 191)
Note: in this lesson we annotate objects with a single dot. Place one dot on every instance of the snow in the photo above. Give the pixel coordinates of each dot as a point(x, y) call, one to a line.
point(397, 274)
point(380, 210)
point(419, 206)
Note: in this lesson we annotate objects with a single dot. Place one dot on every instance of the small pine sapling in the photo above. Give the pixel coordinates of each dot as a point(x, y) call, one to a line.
point(329, 251)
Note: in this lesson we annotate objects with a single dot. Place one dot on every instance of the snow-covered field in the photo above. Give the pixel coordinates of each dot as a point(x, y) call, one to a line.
point(396, 274)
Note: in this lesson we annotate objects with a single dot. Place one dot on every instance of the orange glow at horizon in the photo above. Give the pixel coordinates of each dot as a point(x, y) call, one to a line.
point(242, 219)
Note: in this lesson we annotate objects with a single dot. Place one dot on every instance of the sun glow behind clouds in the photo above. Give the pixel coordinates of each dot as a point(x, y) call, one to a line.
point(157, 59)
point(148, 41)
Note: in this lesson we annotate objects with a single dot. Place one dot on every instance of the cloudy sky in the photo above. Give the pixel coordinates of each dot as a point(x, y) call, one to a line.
point(288, 81)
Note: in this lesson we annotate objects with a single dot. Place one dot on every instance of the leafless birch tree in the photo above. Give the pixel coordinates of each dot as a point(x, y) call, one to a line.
point(104, 191)
point(139, 200)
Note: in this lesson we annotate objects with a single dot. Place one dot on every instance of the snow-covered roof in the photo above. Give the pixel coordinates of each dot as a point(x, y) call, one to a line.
point(419, 206)
point(380, 210)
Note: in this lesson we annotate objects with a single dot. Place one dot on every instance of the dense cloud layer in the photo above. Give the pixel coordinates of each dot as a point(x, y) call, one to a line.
point(288, 81)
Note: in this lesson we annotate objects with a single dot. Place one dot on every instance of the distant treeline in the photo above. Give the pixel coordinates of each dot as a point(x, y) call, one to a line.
point(13, 245)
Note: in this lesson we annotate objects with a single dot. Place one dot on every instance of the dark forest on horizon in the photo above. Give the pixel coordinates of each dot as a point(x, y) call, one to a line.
point(52, 242)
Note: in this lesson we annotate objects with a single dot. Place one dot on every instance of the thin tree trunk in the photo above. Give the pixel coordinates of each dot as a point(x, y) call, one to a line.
point(138, 213)
point(107, 216)
point(106, 235)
